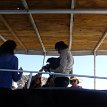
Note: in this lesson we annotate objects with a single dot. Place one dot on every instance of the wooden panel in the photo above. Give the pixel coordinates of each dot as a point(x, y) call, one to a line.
point(103, 45)
point(53, 27)
point(22, 28)
point(49, 4)
point(88, 30)
point(11, 4)
point(91, 4)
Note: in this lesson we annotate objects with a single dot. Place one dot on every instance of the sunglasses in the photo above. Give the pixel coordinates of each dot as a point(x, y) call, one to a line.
point(73, 81)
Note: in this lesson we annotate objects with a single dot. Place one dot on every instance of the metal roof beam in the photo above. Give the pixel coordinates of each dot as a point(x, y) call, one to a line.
point(101, 41)
point(54, 53)
point(2, 38)
point(34, 25)
point(71, 25)
point(54, 11)
point(12, 32)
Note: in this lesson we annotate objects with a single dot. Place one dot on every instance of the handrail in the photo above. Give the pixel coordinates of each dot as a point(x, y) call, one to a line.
point(88, 76)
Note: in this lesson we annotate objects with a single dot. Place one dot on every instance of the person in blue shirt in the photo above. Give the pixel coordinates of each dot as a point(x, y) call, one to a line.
point(8, 61)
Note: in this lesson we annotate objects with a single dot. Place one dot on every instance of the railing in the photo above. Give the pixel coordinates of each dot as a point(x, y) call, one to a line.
point(69, 75)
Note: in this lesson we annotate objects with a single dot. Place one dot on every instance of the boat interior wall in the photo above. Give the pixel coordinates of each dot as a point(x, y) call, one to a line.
point(53, 97)
point(36, 25)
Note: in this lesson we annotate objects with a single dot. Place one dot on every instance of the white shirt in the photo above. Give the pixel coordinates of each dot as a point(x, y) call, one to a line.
point(66, 62)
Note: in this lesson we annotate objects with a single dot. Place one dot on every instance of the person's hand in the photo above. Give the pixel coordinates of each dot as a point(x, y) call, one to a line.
point(41, 70)
point(20, 69)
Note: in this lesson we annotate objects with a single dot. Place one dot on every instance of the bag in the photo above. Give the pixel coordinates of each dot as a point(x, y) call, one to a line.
point(53, 62)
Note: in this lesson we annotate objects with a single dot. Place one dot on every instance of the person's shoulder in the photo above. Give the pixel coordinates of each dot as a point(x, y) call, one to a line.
point(79, 86)
point(14, 57)
point(68, 52)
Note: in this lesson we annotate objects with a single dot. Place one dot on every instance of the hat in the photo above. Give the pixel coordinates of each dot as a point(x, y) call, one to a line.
point(74, 78)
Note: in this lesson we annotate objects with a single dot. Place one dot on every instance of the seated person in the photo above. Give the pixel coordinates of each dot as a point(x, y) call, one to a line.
point(74, 82)
point(49, 82)
point(35, 82)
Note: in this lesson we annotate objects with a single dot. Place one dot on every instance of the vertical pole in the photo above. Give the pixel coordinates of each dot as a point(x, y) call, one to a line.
point(94, 70)
point(44, 59)
point(30, 77)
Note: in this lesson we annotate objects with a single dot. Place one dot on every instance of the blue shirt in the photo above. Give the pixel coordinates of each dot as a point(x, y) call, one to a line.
point(8, 61)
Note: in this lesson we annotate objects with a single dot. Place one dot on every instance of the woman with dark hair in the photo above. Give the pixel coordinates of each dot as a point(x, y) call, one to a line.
point(65, 66)
point(8, 61)
point(35, 81)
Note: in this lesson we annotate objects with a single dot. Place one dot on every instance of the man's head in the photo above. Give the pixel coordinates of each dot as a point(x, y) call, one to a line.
point(60, 46)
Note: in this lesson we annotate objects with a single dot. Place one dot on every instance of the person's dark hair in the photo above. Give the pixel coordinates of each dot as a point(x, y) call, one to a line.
point(60, 45)
point(34, 83)
point(49, 82)
point(8, 47)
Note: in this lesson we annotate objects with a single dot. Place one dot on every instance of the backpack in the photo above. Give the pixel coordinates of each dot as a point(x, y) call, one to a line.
point(53, 62)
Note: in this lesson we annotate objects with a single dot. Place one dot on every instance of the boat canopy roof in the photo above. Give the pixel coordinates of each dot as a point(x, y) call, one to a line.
point(36, 25)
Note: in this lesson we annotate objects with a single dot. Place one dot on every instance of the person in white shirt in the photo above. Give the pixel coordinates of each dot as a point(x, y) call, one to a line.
point(66, 64)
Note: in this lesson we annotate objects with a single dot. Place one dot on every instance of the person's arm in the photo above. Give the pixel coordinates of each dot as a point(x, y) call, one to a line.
point(41, 70)
point(63, 63)
point(16, 75)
